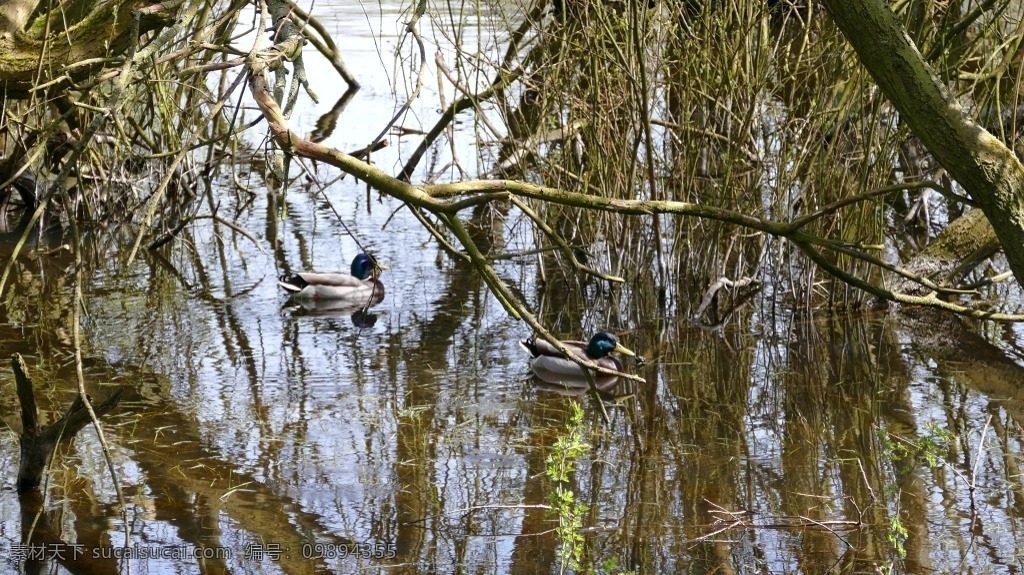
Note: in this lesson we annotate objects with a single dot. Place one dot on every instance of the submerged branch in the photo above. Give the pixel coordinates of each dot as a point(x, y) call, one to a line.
point(322, 41)
point(849, 201)
point(929, 300)
point(38, 441)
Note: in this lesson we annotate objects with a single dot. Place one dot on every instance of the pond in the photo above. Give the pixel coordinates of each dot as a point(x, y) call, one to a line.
point(260, 436)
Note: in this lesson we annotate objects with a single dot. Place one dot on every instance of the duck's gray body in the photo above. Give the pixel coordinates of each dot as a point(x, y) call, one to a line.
point(547, 361)
point(359, 287)
point(315, 286)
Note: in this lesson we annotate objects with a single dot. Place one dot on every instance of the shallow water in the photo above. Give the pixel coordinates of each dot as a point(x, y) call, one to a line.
point(268, 439)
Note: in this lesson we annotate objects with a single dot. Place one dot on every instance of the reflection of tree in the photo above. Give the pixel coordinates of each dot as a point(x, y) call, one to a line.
point(969, 359)
point(42, 528)
point(684, 113)
point(180, 468)
point(834, 465)
point(827, 496)
point(189, 485)
point(683, 466)
point(966, 365)
point(536, 545)
point(37, 295)
point(422, 353)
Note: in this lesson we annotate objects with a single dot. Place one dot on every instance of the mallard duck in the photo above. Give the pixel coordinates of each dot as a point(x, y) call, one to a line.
point(547, 362)
point(360, 287)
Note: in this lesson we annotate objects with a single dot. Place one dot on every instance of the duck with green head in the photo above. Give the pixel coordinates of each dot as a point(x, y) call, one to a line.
point(547, 361)
point(361, 286)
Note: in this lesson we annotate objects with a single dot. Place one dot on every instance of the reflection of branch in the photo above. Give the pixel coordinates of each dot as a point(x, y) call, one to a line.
point(325, 124)
point(784, 522)
point(83, 399)
point(38, 441)
point(364, 153)
point(324, 43)
point(168, 236)
point(413, 31)
point(376, 178)
point(503, 79)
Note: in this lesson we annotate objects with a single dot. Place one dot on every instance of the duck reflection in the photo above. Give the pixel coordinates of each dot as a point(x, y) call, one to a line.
point(359, 313)
point(547, 381)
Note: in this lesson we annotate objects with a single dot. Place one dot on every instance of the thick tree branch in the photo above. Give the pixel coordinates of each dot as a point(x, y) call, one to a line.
point(986, 168)
point(91, 39)
point(445, 200)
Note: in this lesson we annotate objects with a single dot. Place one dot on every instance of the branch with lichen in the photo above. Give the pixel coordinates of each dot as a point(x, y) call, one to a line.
point(446, 200)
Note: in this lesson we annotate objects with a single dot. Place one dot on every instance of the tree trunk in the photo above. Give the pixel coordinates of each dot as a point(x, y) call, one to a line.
point(984, 166)
point(97, 29)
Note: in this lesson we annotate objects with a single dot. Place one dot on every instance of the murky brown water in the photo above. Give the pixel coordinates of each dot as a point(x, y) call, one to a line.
point(260, 438)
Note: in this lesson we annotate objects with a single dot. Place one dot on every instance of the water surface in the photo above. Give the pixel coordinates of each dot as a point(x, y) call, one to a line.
point(257, 437)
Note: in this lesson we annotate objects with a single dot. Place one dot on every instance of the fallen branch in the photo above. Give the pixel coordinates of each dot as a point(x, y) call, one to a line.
point(724, 282)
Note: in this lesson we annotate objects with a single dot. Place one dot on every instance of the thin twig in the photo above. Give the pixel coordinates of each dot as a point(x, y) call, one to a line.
point(977, 458)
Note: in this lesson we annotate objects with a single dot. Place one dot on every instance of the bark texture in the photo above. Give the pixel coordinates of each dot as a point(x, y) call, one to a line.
point(95, 29)
point(982, 164)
